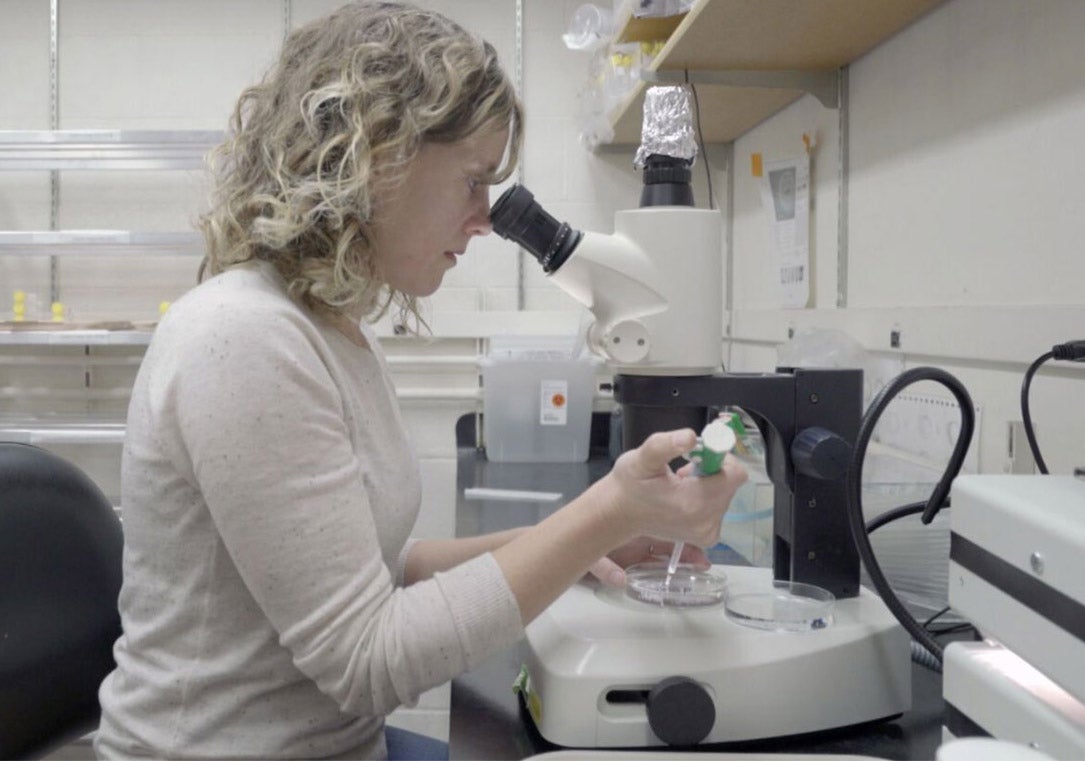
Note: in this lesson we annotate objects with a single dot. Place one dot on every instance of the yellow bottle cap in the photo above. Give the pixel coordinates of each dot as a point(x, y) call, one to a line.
point(58, 311)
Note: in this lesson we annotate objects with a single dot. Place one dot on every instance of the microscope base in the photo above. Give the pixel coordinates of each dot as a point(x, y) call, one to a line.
point(595, 656)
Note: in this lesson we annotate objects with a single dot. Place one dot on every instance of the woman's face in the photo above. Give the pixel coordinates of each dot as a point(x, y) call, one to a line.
point(425, 224)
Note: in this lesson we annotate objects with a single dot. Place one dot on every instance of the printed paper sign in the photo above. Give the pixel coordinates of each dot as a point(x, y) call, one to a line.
point(554, 402)
point(785, 195)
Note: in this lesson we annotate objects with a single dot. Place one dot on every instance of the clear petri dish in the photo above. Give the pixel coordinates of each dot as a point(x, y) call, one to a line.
point(687, 587)
point(787, 606)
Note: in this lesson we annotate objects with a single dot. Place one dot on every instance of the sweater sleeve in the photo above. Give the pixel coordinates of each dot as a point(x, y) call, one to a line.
point(263, 427)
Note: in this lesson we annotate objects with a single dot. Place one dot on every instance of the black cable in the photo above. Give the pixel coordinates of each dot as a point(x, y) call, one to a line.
point(935, 617)
point(953, 629)
point(700, 140)
point(1026, 416)
point(1074, 351)
point(891, 515)
point(854, 500)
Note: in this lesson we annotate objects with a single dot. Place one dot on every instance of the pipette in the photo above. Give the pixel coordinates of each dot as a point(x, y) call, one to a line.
point(715, 441)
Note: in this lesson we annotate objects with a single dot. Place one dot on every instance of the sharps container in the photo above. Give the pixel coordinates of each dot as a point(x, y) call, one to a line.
point(537, 400)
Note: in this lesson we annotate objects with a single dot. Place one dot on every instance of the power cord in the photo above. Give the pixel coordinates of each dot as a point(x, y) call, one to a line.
point(925, 649)
point(1073, 351)
point(897, 512)
point(700, 141)
point(929, 510)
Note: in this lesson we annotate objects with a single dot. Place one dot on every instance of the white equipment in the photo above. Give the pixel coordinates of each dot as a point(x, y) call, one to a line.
point(1017, 573)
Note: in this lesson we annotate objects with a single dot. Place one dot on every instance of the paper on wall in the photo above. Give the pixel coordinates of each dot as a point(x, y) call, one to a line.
point(785, 196)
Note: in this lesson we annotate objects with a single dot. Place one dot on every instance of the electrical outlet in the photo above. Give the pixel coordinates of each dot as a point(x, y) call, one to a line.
point(1018, 455)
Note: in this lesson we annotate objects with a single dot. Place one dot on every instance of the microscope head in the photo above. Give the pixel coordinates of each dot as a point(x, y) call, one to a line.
point(654, 286)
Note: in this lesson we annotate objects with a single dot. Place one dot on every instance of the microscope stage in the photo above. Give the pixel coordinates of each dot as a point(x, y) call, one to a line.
point(596, 658)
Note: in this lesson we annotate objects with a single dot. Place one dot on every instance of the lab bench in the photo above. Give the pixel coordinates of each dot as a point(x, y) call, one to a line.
point(487, 719)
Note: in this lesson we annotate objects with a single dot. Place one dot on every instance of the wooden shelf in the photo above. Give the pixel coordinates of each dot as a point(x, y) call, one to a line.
point(763, 36)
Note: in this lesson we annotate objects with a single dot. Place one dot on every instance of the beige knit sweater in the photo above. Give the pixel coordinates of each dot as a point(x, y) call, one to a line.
point(268, 494)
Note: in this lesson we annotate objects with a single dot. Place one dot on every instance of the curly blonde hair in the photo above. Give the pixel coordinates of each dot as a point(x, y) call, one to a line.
point(333, 124)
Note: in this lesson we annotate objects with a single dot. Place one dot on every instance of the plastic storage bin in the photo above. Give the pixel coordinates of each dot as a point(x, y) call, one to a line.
point(537, 401)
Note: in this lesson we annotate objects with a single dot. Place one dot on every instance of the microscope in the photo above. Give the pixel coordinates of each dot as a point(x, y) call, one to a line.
point(605, 670)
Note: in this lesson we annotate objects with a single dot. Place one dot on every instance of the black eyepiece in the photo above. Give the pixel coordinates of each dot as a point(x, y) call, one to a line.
point(666, 182)
point(517, 216)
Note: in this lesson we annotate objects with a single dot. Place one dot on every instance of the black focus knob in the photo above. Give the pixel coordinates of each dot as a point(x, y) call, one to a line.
point(680, 711)
point(820, 453)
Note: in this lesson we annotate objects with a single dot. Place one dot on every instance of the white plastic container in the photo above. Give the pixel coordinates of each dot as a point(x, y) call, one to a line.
point(537, 401)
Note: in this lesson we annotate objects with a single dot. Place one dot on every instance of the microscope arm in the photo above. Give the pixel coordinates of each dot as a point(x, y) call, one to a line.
point(809, 419)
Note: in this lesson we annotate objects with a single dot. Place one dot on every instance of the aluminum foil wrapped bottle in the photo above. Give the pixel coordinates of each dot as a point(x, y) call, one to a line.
point(668, 146)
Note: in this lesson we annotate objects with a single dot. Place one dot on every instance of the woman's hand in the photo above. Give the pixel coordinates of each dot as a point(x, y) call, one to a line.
point(611, 569)
point(641, 496)
point(654, 501)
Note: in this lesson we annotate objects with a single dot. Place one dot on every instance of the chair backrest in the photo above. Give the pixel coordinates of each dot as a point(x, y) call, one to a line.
point(60, 573)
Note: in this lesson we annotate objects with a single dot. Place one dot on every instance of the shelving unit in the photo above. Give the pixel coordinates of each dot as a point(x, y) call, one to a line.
point(84, 353)
point(59, 150)
point(751, 58)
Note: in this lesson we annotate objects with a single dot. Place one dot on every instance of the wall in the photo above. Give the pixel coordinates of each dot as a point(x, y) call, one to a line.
point(962, 214)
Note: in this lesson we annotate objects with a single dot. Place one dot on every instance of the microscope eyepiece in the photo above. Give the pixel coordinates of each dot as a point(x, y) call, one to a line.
point(667, 181)
point(517, 216)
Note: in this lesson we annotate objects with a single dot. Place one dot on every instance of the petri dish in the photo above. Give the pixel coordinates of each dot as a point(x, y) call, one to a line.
point(688, 587)
point(788, 606)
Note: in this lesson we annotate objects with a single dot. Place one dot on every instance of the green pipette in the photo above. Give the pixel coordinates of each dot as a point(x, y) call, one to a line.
point(715, 441)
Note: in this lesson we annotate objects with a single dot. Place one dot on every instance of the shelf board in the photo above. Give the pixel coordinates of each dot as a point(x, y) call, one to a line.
point(76, 432)
point(73, 337)
point(644, 28)
point(105, 149)
point(758, 36)
point(99, 243)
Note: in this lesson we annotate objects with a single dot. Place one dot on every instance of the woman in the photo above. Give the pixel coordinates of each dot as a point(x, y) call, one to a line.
point(272, 605)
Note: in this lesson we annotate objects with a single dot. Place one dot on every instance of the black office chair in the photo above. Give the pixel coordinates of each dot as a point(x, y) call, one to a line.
point(60, 572)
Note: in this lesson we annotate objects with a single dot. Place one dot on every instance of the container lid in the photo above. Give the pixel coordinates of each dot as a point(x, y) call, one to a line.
point(786, 606)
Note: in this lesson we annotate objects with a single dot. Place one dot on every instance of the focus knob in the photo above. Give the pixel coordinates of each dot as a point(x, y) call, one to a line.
point(820, 453)
point(680, 711)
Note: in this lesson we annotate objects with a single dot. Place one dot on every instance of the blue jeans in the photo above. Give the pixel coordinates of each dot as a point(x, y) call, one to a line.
point(404, 745)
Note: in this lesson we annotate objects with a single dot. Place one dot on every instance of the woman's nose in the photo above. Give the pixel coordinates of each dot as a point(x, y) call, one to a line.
point(479, 221)
point(480, 226)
